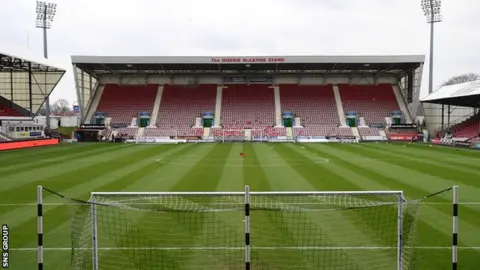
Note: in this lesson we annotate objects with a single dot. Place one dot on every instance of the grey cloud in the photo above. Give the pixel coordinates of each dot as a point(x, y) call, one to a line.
point(216, 27)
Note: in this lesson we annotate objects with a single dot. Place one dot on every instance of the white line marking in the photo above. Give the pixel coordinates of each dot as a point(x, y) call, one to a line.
point(152, 203)
point(238, 248)
point(217, 162)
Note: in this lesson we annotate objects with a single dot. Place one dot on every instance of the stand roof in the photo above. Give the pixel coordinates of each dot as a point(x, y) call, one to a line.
point(463, 94)
point(97, 65)
point(27, 82)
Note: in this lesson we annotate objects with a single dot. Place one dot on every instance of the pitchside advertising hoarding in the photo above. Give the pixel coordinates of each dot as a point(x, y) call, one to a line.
point(12, 145)
point(403, 138)
point(457, 143)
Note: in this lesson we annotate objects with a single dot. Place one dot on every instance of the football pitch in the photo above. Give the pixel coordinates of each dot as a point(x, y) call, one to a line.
point(75, 170)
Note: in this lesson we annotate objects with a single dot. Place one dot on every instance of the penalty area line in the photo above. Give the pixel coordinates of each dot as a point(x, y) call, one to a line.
point(238, 248)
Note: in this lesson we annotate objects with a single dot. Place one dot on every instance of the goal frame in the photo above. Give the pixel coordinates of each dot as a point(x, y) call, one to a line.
point(247, 195)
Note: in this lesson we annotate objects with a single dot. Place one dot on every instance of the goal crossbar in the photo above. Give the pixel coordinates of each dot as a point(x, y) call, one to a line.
point(252, 193)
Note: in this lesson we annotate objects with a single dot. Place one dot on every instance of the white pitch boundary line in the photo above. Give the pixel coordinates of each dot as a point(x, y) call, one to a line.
point(238, 248)
point(57, 204)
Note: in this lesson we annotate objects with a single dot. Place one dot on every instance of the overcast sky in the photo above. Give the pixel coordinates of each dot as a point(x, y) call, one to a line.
point(246, 27)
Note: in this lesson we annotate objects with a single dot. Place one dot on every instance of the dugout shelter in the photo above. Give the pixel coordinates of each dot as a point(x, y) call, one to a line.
point(93, 72)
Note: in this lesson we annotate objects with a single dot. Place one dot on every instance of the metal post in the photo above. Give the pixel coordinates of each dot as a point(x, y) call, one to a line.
point(247, 228)
point(443, 116)
point(45, 54)
point(400, 232)
point(431, 9)
point(45, 14)
point(11, 90)
point(455, 228)
point(94, 234)
point(40, 227)
point(430, 66)
point(30, 90)
point(448, 116)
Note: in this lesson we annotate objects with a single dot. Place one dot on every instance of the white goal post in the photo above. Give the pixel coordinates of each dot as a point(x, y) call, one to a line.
point(270, 229)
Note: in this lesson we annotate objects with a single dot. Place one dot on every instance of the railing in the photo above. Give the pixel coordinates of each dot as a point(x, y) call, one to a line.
point(457, 121)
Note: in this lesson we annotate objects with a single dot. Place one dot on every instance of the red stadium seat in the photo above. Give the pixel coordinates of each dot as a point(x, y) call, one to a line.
point(247, 106)
point(6, 111)
point(179, 107)
point(366, 131)
point(372, 102)
point(467, 129)
point(314, 104)
point(123, 102)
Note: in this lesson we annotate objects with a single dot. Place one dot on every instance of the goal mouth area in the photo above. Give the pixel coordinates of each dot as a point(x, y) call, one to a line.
point(263, 229)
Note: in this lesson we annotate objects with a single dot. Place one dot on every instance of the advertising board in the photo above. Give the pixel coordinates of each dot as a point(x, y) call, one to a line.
point(373, 138)
point(402, 138)
point(12, 145)
point(92, 126)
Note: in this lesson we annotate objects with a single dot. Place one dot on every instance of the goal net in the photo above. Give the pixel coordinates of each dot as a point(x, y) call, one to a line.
point(239, 230)
point(229, 135)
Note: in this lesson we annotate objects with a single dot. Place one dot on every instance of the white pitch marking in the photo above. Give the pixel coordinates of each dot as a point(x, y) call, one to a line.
point(146, 203)
point(237, 248)
point(216, 162)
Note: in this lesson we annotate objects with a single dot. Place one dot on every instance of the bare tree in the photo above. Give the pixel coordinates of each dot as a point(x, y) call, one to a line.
point(467, 77)
point(61, 107)
point(41, 111)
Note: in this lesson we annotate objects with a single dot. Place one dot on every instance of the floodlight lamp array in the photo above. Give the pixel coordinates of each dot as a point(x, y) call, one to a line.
point(45, 14)
point(432, 10)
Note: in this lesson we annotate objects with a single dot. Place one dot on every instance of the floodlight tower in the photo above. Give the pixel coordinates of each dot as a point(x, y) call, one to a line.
point(432, 11)
point(45, 14)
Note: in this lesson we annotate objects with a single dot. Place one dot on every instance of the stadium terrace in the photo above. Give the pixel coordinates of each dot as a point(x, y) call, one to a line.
point(249, 98)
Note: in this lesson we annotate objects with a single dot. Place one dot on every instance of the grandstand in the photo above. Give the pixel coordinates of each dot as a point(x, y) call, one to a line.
point(247, 98)
point(24, 86)
point(454, 109)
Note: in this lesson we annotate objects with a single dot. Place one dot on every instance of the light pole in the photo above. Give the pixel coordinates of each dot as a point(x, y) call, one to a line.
point(432, 11)
point(45, 14)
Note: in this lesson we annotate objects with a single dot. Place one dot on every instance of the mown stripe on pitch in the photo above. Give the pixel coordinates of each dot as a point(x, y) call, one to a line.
point(56, 217)
point(69, 180)
point(465, 152)
point(355, 154)
point(232, 176)
point(323, 177)
point(31, 153)
point(437, 168)
point(382, 179)
point(134, 232)
point(422, 167)
point(211, 228)
point(72, 178)
point(439, 157)
point(267, 228)
point(62, 158)
point(319, 176)
point(434, 213)
point(36, 154)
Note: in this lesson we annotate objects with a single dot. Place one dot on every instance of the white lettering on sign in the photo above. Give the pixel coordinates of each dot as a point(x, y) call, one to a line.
point(248, 60)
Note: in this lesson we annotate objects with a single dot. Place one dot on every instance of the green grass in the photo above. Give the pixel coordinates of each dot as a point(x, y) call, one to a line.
point(66, 131)
point(76, 170)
